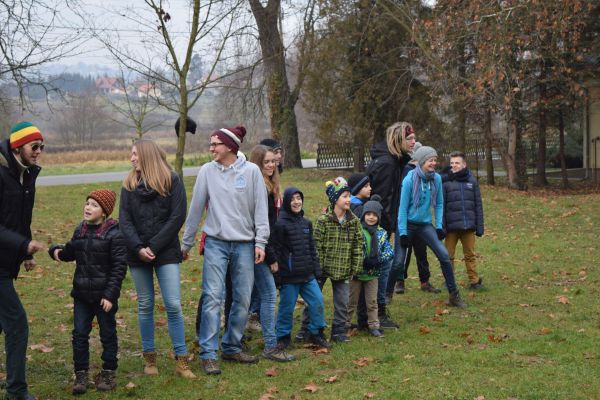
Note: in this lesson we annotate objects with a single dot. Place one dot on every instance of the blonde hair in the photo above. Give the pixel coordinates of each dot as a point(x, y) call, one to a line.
point(154, 171)
point(257, 156)
point(395, 136)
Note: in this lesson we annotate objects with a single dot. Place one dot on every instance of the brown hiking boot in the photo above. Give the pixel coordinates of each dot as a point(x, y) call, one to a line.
point(211, 367)
point(150, 367)
point(455, 301)
point(399, 287)
point(428, 287)
point(182, 367)
point(278, 353)
point(106, 380)
point(82, 380)
point(241, 357)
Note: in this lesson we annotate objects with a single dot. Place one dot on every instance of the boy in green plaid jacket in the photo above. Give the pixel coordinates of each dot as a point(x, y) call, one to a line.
point(339, 242)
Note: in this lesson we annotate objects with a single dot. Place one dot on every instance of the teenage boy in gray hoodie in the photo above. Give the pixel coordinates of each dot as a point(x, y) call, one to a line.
point(237, 230)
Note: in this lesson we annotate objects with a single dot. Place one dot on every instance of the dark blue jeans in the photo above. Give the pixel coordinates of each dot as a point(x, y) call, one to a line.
point(83, 315)
point(428, 235)
point(13, 322)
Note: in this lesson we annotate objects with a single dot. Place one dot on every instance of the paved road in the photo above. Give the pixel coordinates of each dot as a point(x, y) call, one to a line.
point(118, 176)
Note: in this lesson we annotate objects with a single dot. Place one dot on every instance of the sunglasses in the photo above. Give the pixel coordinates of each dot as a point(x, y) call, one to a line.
point(38, 146)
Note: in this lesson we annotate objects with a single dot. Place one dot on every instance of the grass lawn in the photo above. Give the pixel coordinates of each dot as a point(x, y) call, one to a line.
point(533, 333)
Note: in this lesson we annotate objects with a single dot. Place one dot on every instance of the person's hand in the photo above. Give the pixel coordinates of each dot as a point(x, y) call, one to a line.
point(146, 254)
point(441, 234)
point(274, 267)
point(34, 246)
point(259, 255)
point(185, 254)
point(106, 305)
point(29, 264)
point(56, 253)
point(404, 241)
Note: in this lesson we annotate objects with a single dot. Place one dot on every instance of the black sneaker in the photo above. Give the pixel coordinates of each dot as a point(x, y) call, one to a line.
point(302, 335)
point(82, 380)
point(399, 288)
point(375, 333)
point(455, 301)
point(428, 287)
point(319, 341)
point(106, 380)
point(340, 338)
point(385, 322)
point(211, 367)
point(477, 285)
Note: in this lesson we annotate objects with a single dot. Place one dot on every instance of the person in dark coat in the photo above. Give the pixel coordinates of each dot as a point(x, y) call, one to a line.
point(385, 173)
point(152, 211)
point(299, 269)
point(463, 214)
point(99, 251)
point(19, 156)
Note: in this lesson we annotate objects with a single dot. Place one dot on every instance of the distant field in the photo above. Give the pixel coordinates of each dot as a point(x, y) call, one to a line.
point(532, 334)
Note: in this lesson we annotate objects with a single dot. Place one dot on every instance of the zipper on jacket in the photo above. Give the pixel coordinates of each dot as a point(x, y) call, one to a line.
point(462, 203)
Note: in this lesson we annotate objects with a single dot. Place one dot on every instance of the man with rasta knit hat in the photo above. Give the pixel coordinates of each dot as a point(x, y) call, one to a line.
point(422, 190)
point(19, 156)
point(237, 230)
point(100, 253)
point(339, 242)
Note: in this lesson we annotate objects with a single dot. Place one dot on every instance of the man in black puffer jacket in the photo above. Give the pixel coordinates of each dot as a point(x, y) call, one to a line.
point(299, 269)
point(463, 214)
point(18, 172)
point(100, 254)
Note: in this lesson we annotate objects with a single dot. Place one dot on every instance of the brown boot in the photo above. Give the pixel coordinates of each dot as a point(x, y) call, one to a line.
point(106, 380)
point(182, 367)
point(150, 367)
point(81, 382)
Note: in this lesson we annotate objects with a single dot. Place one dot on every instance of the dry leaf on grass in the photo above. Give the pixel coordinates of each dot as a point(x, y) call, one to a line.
point(331, 379)
point(41, 347)
point(271, 372)
point(311, 387)
point(424, 330)
point(321, 350)
point(479, 398)
point(563, 300)
point(363, 361)
point(369, 395)
point(544, 331)
point(269, 394)
point(130, 385)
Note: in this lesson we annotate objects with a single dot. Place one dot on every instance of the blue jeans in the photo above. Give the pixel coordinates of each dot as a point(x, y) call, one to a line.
point(311, 293)
point(266, 293)
point(427, 233)
point(218, 256)
point(83, 315)
point(384, 274)
point(168, 280)
point(13, 321)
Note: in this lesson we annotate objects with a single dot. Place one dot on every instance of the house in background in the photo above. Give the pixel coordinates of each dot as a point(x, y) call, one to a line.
point(110, 86)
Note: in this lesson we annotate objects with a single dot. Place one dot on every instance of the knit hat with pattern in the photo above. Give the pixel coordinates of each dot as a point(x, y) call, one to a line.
point(231, 137)
point(106, 198)
point(335, 188)
point(23, 133)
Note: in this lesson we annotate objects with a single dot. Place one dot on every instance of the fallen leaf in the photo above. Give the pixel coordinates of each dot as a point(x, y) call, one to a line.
point(271, 372)
point(369, 395)
point(497, 338)
point(331, 379)
point(363, 361)
point(272, 390)
point(524, 305)
point(479, 398)
point(266, 396)
point(321, 350)
point(563, 300)
point(589, 356)
point(424, 330)
point(311, 387)
point(42, 348)
point(437, 318)
point(409, 356)
point(544, 331)
point(471, 294)
point(130, 385)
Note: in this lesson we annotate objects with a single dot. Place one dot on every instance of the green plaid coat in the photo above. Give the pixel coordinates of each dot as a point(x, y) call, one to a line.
point(340, 247)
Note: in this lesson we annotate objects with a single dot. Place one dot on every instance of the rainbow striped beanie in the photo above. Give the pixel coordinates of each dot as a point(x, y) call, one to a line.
point(23, 133)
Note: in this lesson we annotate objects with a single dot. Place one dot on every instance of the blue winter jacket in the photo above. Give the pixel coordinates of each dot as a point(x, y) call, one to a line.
point(420, 215)
point(463, 209)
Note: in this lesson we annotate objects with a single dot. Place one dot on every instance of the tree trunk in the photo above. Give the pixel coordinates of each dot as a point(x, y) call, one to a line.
point(561, 150)
point(489, 162)
point(183, 109)
point(461, 104)
point(513, 156)
point(282, 115)
point(540, 176)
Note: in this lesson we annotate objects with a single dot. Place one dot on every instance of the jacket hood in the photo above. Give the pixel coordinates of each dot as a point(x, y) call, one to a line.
point(287, 199)
point(8, 160)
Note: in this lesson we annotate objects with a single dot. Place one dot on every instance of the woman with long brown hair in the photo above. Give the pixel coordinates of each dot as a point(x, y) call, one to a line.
point(264, 283)
point(152, 211)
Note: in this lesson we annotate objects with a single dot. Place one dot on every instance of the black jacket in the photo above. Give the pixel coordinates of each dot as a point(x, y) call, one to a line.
point(463, 209)
point(385, 174)
point(16, 208)
point(294, 244)
point(150, 220)
point(270, 257)
point(100, 254)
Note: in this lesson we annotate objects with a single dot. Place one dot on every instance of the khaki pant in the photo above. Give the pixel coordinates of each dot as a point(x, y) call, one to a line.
point(467, 239)
point(370, 289)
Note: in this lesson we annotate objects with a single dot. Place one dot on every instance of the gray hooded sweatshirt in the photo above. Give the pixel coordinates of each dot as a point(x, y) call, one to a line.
point(237, 204)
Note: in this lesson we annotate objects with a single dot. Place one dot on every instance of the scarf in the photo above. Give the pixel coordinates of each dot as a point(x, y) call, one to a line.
point(372, 229)
point(428, 177)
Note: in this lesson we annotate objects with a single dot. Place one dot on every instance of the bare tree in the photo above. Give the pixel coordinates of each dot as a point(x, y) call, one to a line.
point(32, 33)
point(167, 54)
point(82, 119)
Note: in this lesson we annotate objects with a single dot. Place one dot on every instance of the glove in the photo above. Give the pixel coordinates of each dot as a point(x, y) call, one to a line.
point(370, 263)
point(404, 241)
point(277, 279)
point(441, 234)
point(479, 233)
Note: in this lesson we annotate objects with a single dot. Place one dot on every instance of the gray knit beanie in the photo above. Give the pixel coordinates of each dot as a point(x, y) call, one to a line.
point(373, 205)
point(416, 147)
point(423, 154)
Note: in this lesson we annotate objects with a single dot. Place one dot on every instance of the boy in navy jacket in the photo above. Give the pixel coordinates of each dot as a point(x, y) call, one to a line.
point(463, 214)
